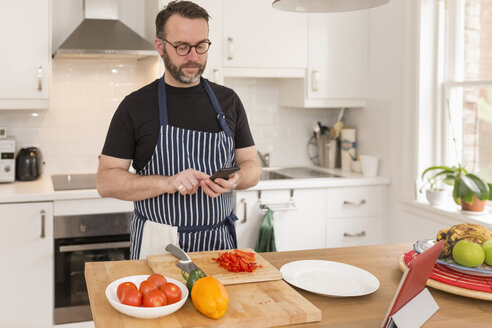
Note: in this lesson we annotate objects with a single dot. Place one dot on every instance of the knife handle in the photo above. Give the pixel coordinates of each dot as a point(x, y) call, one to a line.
point(178, 252)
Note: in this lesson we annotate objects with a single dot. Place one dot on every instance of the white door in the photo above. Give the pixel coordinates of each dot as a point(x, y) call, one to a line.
point(256, 35)
point(25, 56)
point(338, 55)
point(298, 226)
point(249, 218)
point(26, 254)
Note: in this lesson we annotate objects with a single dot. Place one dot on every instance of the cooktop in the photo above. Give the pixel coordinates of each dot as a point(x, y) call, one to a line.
point(74, 181)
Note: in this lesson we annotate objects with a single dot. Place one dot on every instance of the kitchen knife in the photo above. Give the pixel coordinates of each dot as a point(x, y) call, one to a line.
point(185, 262)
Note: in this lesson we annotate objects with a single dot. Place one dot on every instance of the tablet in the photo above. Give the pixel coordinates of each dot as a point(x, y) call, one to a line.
point(413, 280)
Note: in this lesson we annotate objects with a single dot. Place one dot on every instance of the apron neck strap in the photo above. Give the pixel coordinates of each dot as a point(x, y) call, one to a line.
point(162, 100)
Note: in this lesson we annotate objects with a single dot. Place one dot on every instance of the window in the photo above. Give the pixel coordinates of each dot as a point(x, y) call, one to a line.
point(466, 51)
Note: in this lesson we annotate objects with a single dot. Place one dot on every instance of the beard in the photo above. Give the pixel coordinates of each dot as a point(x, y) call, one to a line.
point(177, 72)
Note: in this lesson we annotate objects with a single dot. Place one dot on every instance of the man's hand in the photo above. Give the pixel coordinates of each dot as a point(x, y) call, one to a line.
point(219, 186)
point(187, 182)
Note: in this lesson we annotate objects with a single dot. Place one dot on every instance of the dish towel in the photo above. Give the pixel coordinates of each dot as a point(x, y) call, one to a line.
point(266, 240)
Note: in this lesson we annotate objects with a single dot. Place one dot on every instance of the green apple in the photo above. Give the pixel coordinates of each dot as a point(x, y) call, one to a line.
point(487, 248)
point(468, 254)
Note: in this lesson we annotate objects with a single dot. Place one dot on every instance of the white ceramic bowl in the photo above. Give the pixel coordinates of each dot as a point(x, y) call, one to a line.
point(144, 312)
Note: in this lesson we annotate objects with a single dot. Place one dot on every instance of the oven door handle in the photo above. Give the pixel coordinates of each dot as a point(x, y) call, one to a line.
point(88, 247)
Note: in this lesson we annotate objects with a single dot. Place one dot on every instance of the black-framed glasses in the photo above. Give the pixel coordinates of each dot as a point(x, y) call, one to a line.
point(184, 48)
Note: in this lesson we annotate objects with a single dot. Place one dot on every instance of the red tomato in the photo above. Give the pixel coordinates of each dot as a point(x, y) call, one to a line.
point(146, 286)
point(158, 279)
point(172, 292)
point(123, 286)
point(154, 298)
point(131, 296)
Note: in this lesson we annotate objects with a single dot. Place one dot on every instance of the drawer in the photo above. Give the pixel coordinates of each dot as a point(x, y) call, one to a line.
point(91, 206)
point(354, 202)
point(341, 232)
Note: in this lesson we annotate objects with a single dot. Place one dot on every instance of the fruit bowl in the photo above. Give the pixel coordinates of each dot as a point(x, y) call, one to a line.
point(483, 270)
point(144, 312)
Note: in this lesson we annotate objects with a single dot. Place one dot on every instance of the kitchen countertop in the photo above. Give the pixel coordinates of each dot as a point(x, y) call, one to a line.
point(362, 311)
point(42, 189)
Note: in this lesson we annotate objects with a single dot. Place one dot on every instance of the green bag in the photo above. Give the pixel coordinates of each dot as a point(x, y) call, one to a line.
point(266, 240)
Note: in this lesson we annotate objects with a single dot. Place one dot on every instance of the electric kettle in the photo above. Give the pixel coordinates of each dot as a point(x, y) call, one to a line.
point(28, 164)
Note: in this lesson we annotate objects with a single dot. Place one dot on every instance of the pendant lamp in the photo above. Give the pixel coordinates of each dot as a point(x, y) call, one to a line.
point(325, 6)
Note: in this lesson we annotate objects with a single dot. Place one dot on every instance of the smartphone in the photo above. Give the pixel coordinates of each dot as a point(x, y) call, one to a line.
point(225, 173)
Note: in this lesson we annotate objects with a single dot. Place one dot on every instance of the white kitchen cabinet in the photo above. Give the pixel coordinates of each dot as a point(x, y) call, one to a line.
point(249, 216)
point(354, 216)
point(25, 63)
point(337, 63)
point(26, 248)
point(299, 217)
point(264, 41)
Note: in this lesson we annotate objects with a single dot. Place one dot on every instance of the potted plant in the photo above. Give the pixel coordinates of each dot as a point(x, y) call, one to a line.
point(470, 191)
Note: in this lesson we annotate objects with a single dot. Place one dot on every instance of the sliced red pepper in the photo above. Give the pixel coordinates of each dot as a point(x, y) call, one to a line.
point(237, 261)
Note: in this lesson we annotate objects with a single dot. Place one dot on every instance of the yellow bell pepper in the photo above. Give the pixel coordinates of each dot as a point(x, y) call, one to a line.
point(210, 297)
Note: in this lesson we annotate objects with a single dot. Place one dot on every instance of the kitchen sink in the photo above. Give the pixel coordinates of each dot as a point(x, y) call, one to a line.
point(272, 175)
point(301, 172)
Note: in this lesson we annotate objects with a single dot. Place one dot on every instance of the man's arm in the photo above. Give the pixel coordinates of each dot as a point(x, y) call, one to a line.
point(114, 180)
point(250, 172)
point(248, 176)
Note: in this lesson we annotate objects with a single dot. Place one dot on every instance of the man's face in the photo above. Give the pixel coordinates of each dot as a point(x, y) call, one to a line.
point(186, 70)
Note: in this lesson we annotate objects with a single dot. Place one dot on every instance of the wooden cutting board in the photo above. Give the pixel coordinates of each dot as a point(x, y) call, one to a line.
point(165, 264)
point(253, 305)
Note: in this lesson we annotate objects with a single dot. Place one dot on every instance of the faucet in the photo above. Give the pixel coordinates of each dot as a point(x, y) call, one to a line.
point(265, 158)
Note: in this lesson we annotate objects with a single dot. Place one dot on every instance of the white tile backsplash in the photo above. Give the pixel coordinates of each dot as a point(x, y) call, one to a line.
point(85, 94)
point(282, 132)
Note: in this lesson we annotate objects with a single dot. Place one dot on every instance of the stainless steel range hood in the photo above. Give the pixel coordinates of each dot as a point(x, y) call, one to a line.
point(101, 34)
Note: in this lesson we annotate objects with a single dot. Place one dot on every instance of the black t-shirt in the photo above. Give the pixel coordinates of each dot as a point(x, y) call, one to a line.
point(134, 129)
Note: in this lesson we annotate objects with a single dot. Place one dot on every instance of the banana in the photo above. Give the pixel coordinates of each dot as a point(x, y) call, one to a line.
point(465, 231)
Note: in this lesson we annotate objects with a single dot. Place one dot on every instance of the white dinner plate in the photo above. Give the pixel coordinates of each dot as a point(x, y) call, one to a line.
point(329, 278)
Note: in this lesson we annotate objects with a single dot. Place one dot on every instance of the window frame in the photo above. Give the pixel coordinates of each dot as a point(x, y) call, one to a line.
point(454, 83)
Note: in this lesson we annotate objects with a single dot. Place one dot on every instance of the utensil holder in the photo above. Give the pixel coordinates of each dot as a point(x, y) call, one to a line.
point(330, 153)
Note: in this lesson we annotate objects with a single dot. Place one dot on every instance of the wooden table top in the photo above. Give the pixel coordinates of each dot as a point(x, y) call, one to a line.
point(362, 311)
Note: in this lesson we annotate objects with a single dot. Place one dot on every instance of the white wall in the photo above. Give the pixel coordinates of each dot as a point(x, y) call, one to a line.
point(387, 127)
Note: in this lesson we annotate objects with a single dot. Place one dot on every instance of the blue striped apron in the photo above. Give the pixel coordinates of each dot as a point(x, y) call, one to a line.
point(203, 223)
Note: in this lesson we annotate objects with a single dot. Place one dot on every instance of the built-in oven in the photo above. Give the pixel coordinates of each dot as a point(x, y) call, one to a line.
point(79, 239)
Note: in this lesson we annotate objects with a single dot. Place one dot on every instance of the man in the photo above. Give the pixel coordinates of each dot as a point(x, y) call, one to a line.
point(178, 130)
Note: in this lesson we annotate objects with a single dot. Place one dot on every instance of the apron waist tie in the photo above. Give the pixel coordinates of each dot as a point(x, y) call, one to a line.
point(228, 221)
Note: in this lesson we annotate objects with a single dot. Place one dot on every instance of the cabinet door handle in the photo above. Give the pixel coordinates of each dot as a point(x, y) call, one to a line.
point(359, 203)
point(245, 210)
point(360, 234)
point(230, 56)
point(40, 78)
point(43, 223)
point(315, 81)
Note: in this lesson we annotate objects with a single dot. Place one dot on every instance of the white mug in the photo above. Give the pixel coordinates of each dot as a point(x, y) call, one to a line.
point(369, 165)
